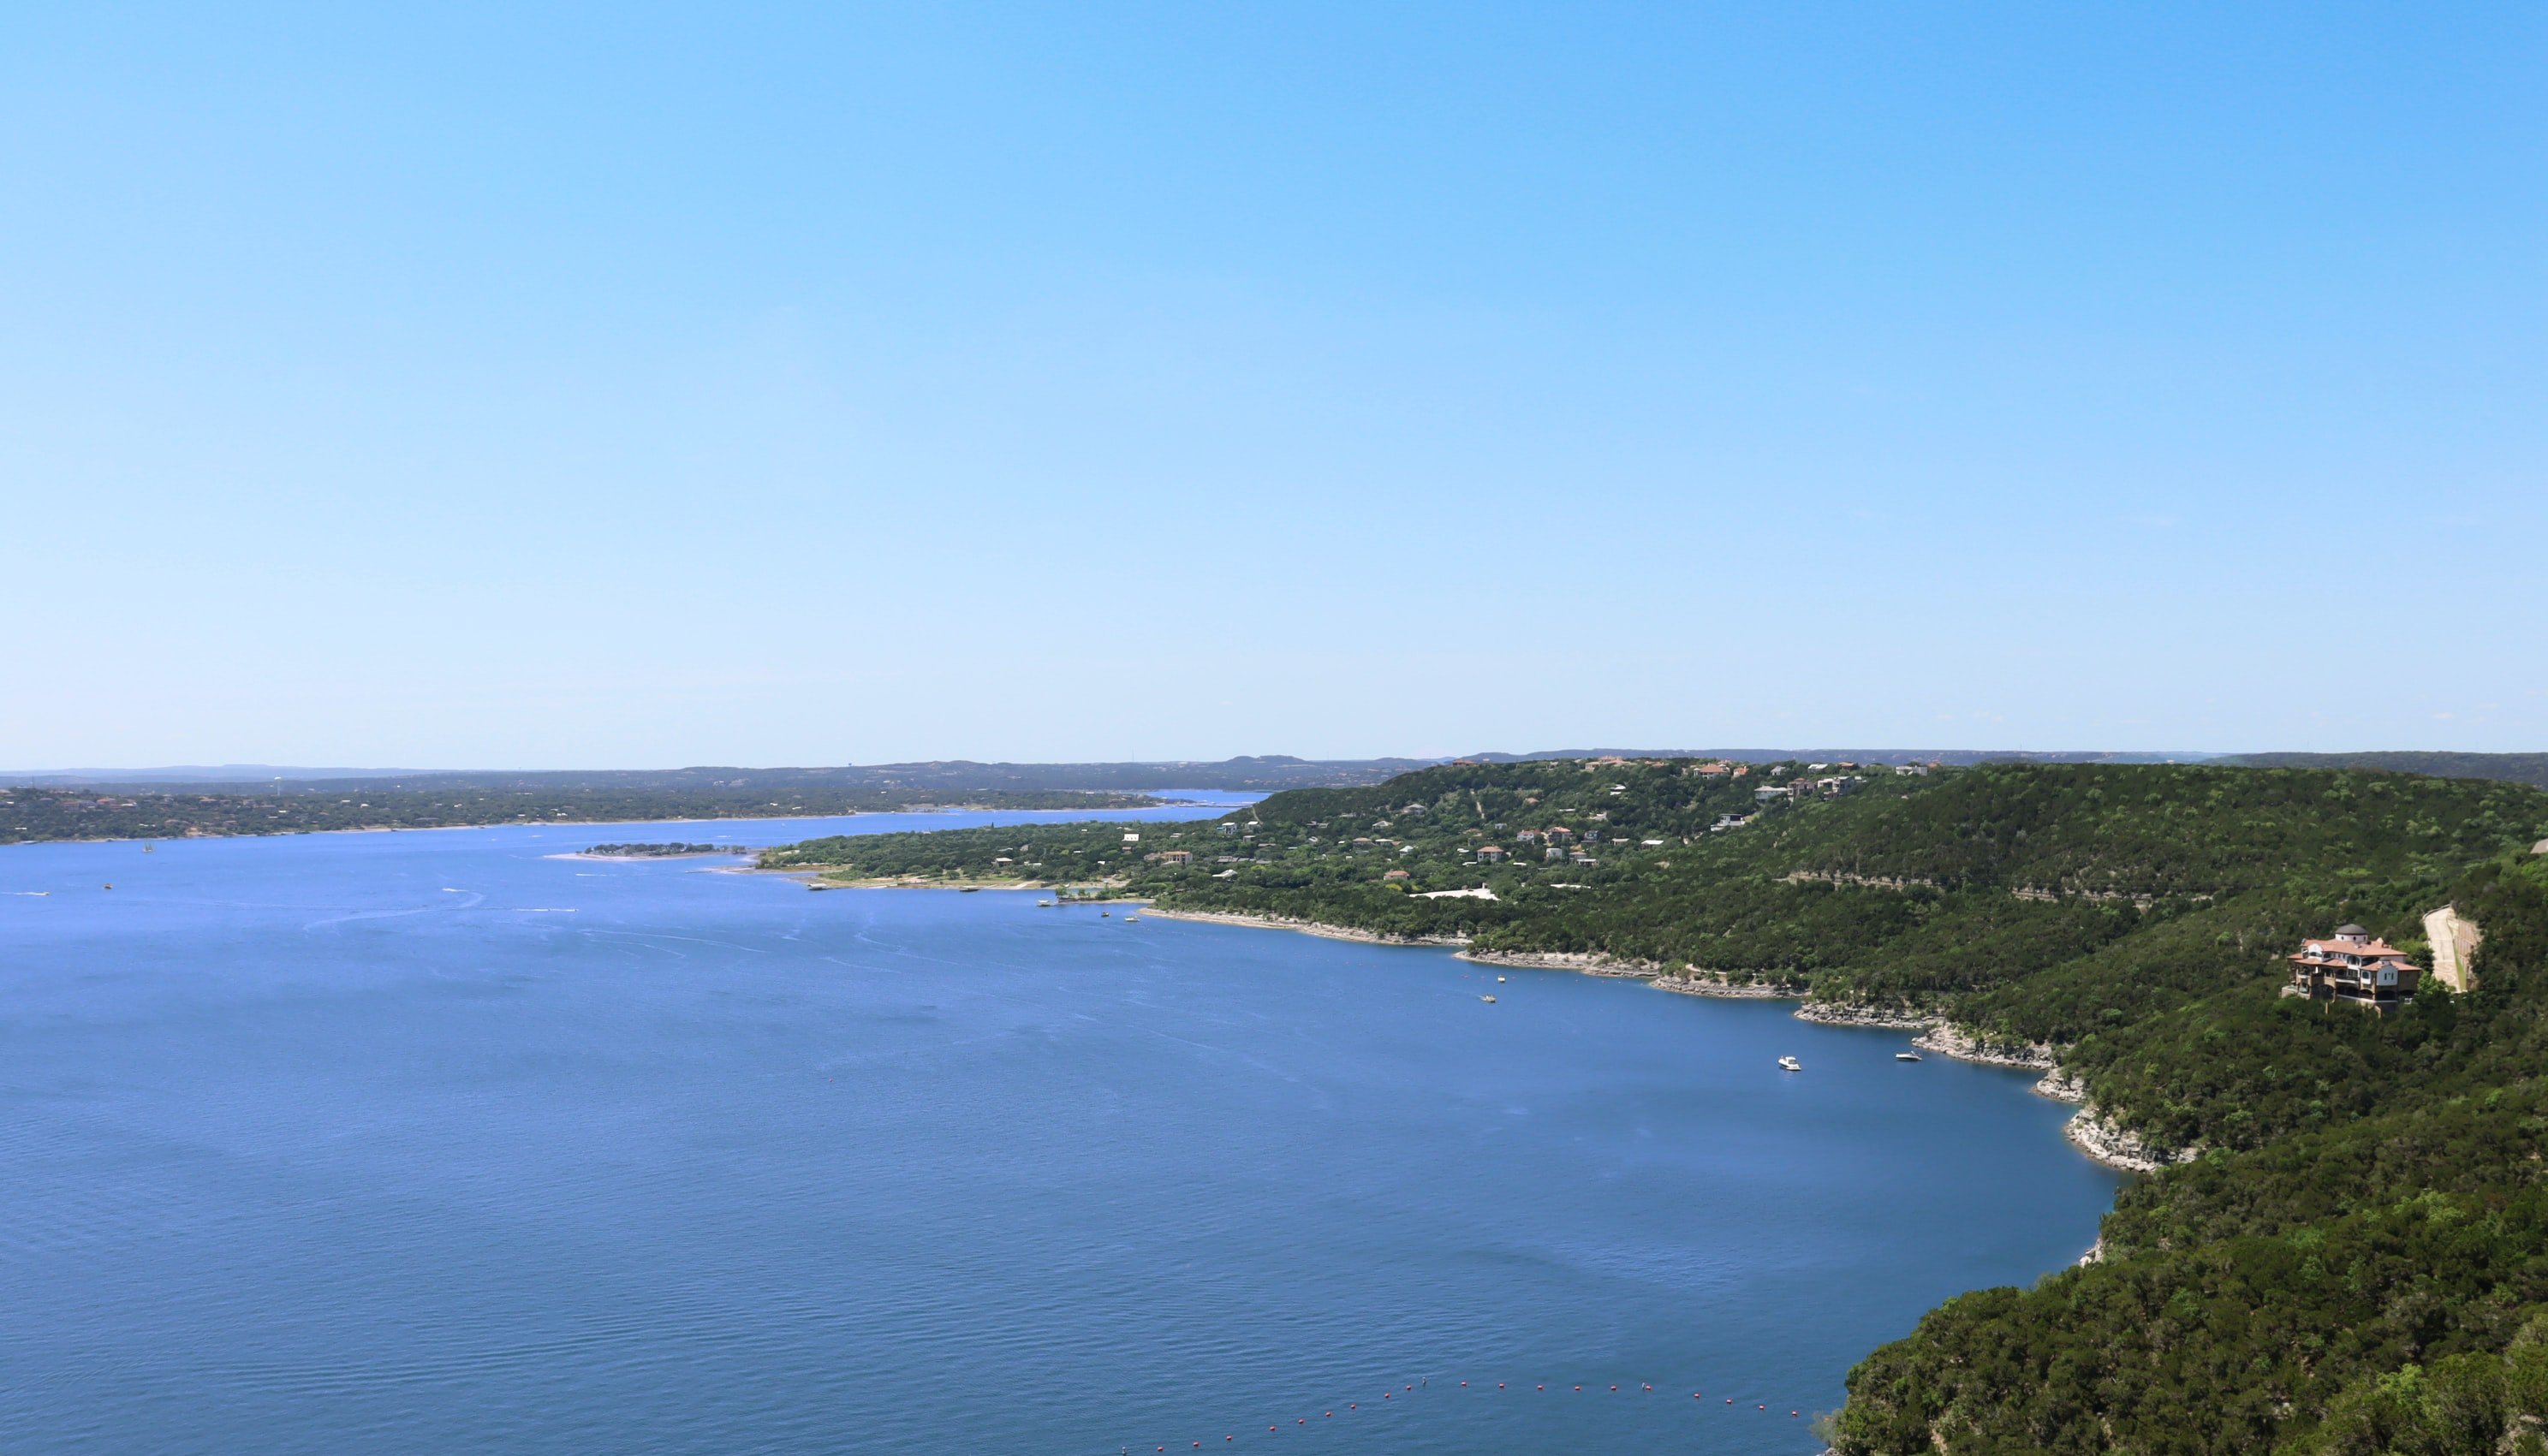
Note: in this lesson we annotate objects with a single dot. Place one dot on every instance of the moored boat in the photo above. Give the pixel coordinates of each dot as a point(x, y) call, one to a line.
point(1906, 1056)
point(1791, 1065)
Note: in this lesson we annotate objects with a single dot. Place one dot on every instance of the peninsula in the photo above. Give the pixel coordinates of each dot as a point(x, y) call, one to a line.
point(2339, 1252)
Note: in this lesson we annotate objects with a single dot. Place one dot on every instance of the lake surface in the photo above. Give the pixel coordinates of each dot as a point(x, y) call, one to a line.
point(428, 1142)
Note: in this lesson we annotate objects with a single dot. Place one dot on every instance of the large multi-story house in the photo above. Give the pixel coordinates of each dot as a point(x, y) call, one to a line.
point(2355, 966)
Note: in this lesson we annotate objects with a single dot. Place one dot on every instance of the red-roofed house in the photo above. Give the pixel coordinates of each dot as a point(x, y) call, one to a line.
point(2355, 966)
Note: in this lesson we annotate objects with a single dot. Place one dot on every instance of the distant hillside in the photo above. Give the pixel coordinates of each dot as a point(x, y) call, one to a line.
point(1950, 757)
point(160, 811)
point(2531, 769)
point(2351, 1265)
point(1242, 775)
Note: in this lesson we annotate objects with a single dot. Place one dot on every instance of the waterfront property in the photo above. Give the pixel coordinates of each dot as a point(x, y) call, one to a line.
point(2355, 966)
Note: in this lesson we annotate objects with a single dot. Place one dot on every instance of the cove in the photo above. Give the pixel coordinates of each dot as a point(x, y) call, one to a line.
point(427, 1141)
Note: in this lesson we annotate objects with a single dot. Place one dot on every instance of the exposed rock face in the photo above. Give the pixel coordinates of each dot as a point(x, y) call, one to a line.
point(1894, 1019)
point(2454, 939)
point(2116, 1147)
point(1706, 985)
point(1590, 962)
point(2060, 1087)
point(1955, 1042)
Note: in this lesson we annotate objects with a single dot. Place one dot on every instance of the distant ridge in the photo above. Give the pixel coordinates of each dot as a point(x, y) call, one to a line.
point(1955, 755)
point(2531, 769)
point(189, 774)
point(1266, 773)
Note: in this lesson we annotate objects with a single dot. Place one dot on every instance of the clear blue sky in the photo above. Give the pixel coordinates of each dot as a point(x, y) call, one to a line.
point(620, 385)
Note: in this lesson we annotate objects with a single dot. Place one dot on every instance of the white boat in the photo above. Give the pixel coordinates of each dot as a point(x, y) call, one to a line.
point(1132, 919)
point(1791, 1065)
point(1490, 1000)
point(1500, 980)
point(1045, 904)
point(1906, 1056)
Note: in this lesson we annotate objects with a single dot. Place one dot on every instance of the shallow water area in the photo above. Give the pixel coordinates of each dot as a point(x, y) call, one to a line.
point(430, 1141)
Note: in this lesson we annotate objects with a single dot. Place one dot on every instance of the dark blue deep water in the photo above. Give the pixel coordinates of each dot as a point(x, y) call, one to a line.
point(430, 1143)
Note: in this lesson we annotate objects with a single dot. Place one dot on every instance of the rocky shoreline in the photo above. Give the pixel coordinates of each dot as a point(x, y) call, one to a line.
point(2087, 1130)
point(1306, 927)
point(1589, 962)
point(2094, 1134)
point(1949, 1041)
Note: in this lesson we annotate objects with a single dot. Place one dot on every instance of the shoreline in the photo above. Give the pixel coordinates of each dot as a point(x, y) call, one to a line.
point(587, 855)
point(181, 837)
point(1320, 929)
point(2090, 1131)
point(2086, 1130)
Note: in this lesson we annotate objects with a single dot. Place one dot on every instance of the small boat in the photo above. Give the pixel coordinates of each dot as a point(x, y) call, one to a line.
point(1500, 980)
point(1043, 904)
point(1105, 914)
point(1131, 920)
point(970, 890)
point(1906, 1056)
point(1791, 1065)
point(1490, 1000)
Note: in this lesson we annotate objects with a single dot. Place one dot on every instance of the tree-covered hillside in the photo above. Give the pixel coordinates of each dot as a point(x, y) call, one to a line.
point(31, 814)
point(2358, 1260)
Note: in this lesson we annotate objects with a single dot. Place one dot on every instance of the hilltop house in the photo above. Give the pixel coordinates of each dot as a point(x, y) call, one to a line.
point(2355, 966)
point(1175, 856)
point(1395, 874)
point(1491, 854)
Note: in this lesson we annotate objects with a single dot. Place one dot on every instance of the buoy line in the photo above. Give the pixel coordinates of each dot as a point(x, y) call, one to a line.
point(1228, 1435)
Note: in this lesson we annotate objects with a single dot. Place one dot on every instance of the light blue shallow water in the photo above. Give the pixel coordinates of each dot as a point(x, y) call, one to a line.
point(427, 1143)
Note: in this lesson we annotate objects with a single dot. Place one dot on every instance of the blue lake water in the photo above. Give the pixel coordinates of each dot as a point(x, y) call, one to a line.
point(428, 1142)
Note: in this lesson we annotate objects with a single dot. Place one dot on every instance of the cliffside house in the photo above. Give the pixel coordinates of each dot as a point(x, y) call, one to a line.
point(1491, 854)
point(1175, 856)
point(2355, 966)
point(1395, 874)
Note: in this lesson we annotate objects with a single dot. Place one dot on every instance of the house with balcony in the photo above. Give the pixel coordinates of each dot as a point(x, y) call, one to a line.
point(2355, 966)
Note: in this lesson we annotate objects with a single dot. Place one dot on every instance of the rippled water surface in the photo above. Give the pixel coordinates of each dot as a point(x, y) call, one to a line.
point(429, 1143)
